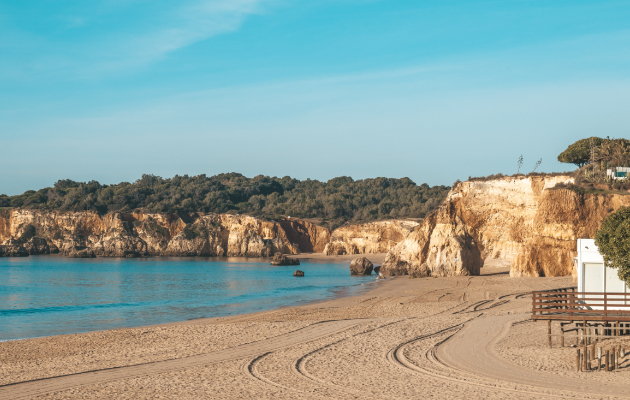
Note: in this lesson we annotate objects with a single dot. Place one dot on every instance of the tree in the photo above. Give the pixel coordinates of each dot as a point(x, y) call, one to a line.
point(579, 153)
point(613, 241)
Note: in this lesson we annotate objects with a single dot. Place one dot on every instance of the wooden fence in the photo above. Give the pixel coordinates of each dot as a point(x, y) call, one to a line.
point(567, 304)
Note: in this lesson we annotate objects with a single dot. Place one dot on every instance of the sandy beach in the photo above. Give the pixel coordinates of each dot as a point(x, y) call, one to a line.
point(457, 338)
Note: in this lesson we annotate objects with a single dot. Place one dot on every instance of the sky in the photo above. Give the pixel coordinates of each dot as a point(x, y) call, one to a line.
point(431, 90)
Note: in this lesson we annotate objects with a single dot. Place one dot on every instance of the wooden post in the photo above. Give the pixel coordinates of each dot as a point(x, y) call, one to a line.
point(585, 357)
point(549, 331)
point(561, 336)
point(616, 355)
point(607, 360)
point(577, 361)
point(599, 358)
point(592, 351)
point(577, 334)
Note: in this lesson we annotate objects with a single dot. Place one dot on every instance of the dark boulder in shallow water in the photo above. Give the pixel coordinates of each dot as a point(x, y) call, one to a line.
point(13, 251)
point(37, 245)
point(298, 273)
point(377, 269)
point(79, 252)
point(281, 259)
point(361, 266)
point(53, 248)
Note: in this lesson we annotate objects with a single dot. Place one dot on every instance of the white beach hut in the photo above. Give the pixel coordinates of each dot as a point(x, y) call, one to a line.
point(594, 276)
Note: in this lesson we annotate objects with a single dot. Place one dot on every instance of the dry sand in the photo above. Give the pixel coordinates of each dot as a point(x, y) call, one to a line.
point(459, 338)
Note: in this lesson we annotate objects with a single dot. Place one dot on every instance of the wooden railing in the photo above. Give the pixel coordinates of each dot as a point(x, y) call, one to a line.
point(569, 305)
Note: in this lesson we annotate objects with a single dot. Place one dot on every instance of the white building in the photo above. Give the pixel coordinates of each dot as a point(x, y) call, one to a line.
point(618, 172)
point(593, 276)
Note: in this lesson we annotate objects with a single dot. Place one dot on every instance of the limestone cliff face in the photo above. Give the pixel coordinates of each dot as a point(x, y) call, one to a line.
point(232, 236)
point(520, 222)
point(372, 237)
point(138, 234)
point(309, 237)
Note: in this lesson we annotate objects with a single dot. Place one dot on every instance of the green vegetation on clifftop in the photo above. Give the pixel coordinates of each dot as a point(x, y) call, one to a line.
point(337, 201)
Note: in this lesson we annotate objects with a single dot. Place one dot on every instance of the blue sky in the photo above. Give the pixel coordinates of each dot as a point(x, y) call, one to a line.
point(432, 90)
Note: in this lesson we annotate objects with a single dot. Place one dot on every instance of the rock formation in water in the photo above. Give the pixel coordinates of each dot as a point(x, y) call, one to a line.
point(368, 238)
point(12, 249)
point(79, 252)
point(521, 222)
point(298, 273)
point(281, 259)
point(37, 245)
point(361, 266)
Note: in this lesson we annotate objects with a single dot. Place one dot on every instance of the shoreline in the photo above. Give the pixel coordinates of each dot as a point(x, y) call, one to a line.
point(326, 349)
point(375, 258)
point(334, 294)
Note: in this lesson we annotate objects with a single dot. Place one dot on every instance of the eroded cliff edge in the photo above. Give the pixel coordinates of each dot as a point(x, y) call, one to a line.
point(140, 234)
point(522, 222)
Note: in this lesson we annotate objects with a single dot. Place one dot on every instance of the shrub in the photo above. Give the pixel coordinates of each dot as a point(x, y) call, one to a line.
point(613, 241)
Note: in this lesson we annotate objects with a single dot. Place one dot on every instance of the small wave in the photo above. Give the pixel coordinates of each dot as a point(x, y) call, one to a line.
point(72, 308)
point(297, 288)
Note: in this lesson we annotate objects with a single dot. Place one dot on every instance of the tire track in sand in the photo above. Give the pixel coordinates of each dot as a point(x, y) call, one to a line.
point(466, 355)
point(298, 367)
point(472, 350)
point(397, 357)
point(30, 389)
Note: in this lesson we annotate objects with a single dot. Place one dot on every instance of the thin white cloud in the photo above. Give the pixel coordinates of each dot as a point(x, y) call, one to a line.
point(139, 35)
point(191, 23)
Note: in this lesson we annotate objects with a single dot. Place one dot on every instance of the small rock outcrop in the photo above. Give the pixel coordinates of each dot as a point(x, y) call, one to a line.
point(37, 245)
point(361, 266)
point(13, 250)
point(377, 269)
point(298, 273)
point(79, 252)
point(281, 259)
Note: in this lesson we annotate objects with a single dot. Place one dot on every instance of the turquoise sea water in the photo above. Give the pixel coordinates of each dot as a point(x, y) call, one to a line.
point(53, 295)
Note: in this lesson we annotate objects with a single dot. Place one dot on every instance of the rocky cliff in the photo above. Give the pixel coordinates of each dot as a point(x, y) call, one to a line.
point(309, 237)
point(139, 234)
point(372, 237)
point(525, 223)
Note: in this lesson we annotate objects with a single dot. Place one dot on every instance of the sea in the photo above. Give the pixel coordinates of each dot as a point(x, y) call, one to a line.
point(54, 295)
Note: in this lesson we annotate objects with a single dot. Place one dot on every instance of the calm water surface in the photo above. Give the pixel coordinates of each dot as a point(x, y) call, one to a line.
point(52, 295)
